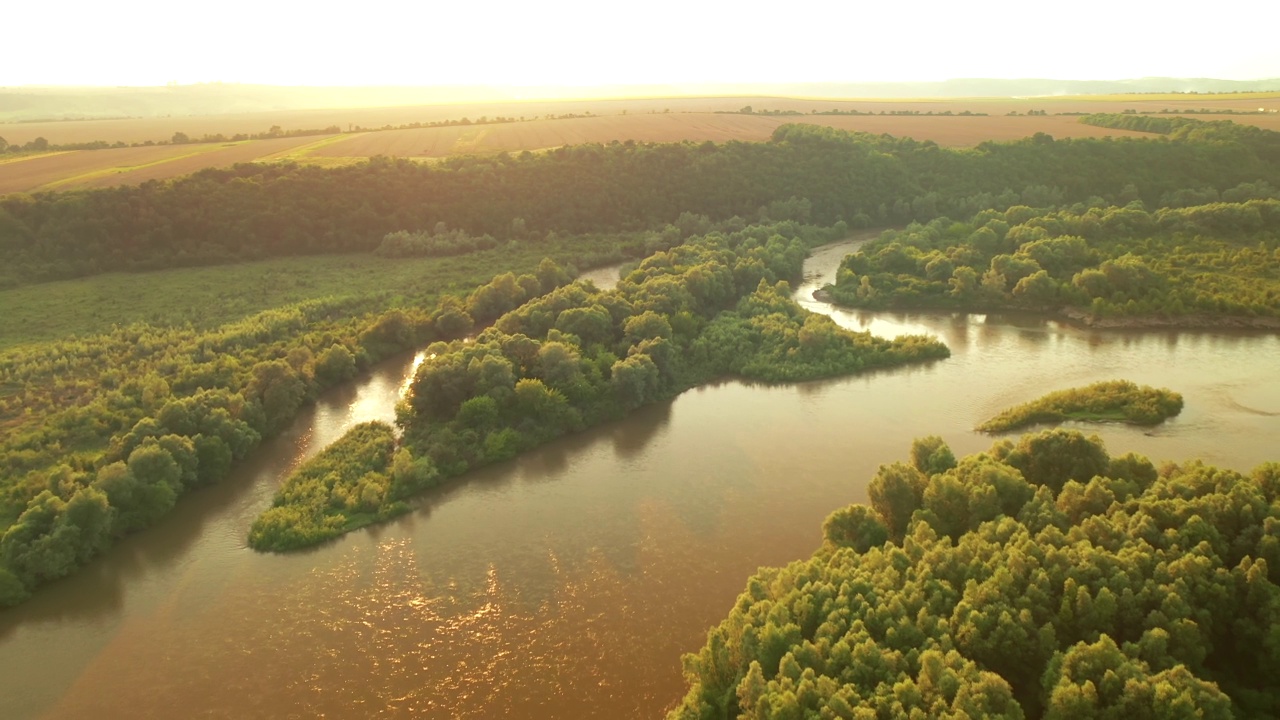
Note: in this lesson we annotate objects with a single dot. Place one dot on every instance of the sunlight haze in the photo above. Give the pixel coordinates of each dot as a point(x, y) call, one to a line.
point(573, 42)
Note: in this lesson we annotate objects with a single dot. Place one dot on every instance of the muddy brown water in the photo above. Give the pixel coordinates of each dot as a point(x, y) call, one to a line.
point(568, 582)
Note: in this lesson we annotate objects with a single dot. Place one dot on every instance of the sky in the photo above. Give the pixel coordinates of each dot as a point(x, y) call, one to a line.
point(589, 42)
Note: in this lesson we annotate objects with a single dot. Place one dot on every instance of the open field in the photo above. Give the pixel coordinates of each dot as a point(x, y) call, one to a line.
point(207, 297)
point(130, 166)
point(697, 127)
point(156, 129)
point(644, 120)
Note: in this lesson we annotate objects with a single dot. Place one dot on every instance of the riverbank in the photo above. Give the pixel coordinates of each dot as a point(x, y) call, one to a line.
point(1084, 318)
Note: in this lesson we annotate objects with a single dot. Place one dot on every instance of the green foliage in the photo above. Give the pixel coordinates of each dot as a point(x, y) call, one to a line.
point(712, 306)
point(806, 174)
point(135, 417)
point(208, 298)
point(930, 455)
point(348, 485)
point(1184, 265)
point(1100, 681)
point(1151, 596)
point(440, 243)
point(857, 527)
point(1119, 400)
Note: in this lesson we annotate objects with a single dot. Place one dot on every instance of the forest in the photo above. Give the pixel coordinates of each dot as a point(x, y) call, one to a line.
point(251, 212)
point(1043, 578)
point(1106, 401)
point(1195, 264)
point(716, 305)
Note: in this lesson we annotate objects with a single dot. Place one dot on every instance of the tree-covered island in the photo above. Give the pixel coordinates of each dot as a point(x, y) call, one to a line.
point(1106, 401)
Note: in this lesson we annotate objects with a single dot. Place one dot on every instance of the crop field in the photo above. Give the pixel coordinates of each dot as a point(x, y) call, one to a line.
point(541, 134)
point(697, 127)
point(124, 166)
point(642, 120)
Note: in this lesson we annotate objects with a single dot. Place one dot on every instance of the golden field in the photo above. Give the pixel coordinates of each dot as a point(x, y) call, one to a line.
point(640, 120)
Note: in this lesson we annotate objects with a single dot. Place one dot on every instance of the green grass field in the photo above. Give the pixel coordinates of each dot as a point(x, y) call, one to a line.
point(207, 297)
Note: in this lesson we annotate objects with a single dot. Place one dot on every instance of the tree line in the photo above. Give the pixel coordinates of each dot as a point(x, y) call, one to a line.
point(1043, 578)
point(256, 211)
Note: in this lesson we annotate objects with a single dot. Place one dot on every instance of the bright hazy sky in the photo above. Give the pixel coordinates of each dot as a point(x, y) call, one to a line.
point(592, 42)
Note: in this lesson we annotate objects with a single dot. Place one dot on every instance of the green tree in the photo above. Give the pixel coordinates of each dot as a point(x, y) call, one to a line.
point(855, 526)
point(896, 492)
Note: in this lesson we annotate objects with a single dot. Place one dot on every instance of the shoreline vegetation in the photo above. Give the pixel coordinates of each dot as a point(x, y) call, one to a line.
point(1107, 401)
point(103, 433)
point(717, 305)
point(1212, 265)
point(1043, 578)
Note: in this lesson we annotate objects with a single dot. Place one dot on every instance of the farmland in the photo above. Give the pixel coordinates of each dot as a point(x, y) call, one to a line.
point(129, 166)
point(697, 127)
point(948, 122)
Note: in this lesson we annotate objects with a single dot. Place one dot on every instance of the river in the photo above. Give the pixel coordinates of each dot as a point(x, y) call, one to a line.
point(567, 583)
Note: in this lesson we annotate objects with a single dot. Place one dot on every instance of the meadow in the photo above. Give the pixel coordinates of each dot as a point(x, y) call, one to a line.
point(209, 297)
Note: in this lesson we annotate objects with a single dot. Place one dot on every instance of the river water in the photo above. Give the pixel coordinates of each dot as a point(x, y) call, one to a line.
point(567, 583)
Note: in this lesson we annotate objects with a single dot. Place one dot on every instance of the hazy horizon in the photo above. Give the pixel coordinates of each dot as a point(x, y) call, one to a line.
point(572, 43)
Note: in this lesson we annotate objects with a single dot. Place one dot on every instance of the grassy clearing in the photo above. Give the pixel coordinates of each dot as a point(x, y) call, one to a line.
point(1107, 401)
point(208, 297)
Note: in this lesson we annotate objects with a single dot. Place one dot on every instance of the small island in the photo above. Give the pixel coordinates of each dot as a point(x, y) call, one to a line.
point(1107, 401)
point(352, 483)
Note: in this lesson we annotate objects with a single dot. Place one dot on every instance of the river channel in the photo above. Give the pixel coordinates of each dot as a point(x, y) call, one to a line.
point(568, 582)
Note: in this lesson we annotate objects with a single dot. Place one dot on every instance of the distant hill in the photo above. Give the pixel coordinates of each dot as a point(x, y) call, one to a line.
point(24, 104)
point(1028, 87)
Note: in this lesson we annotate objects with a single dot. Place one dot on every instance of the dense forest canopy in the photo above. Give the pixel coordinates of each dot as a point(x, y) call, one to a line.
point(1041, 579)
point(257, 211)
point(1221, 259)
